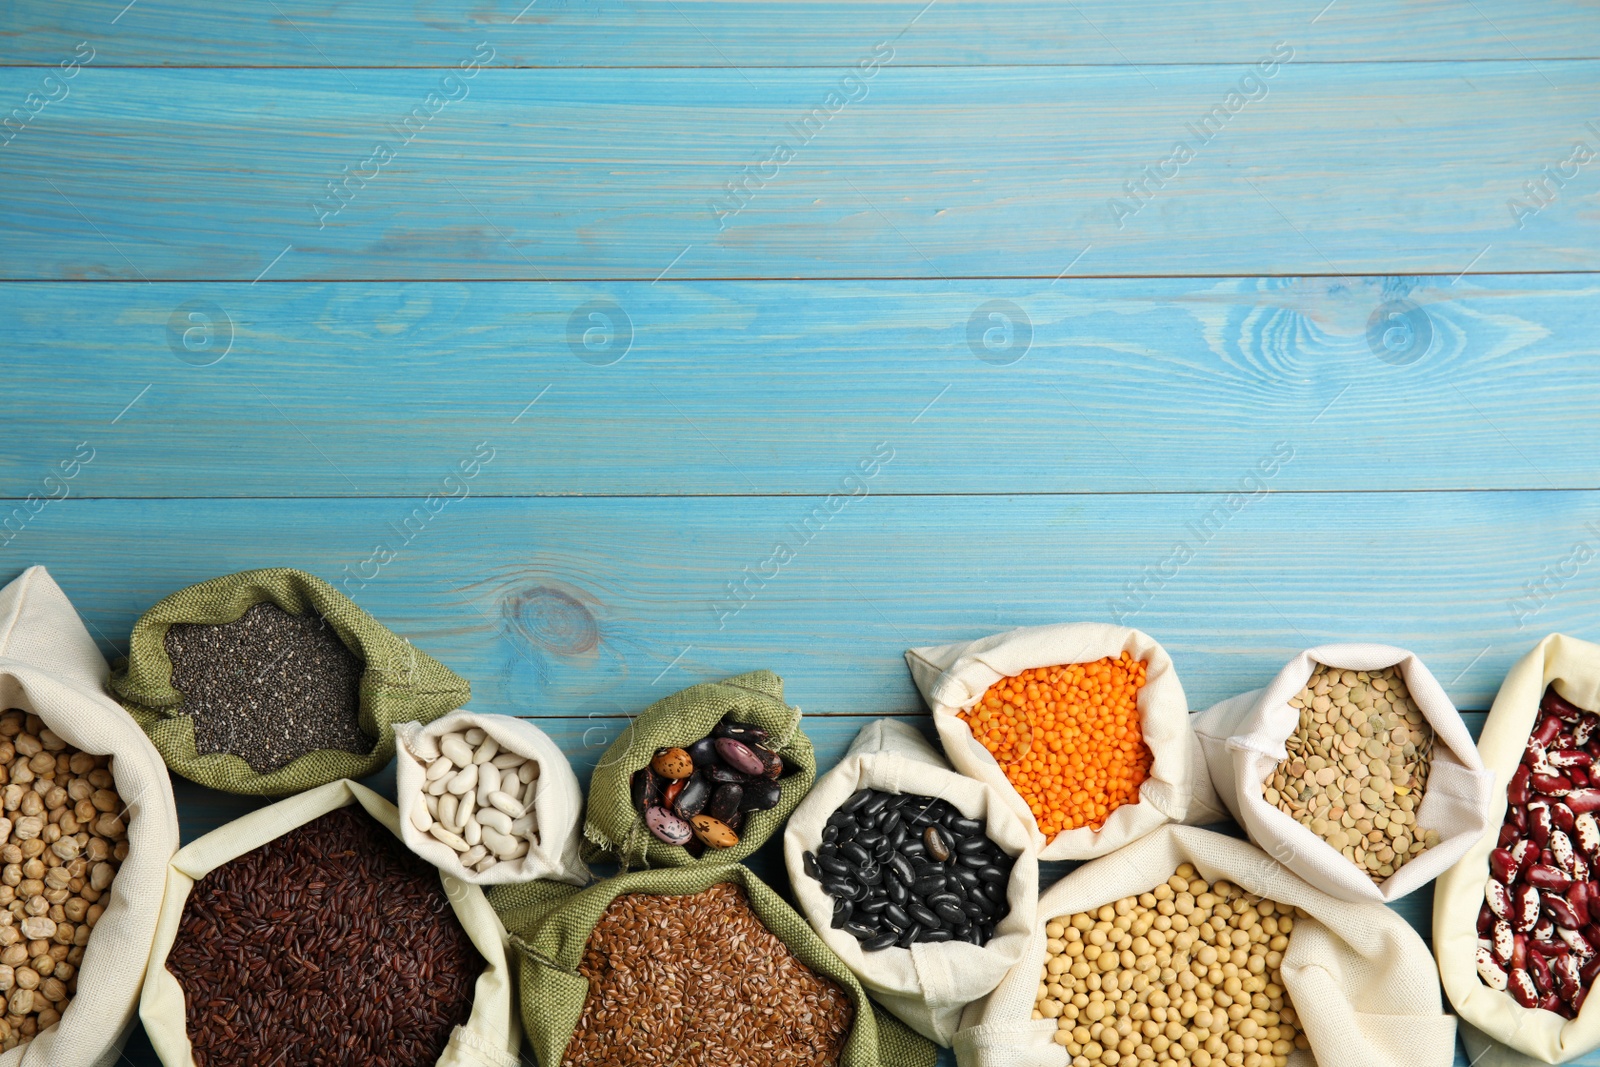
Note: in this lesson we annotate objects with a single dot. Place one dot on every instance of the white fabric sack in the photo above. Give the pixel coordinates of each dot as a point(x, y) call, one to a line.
point(1243, 738)
point(1496, 1020)
point(1359, 978)
point(50, 666)
point(557, 800)
point(927, 985)
point(492, 1033)
point(953, 678)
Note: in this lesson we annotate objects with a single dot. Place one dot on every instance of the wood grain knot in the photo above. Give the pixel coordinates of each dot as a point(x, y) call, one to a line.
point(553, 619)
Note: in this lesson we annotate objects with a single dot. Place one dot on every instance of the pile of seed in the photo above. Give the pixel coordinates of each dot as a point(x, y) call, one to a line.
point(1357, 768)
point(1186, 974)
point(330, 945)
point(698, 796)
point(479, 800)
point(698, 980)
point(62, 838)
point(903, 868)
point(269, 688)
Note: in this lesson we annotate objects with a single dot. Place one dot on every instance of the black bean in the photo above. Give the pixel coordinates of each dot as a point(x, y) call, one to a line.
point(694, 796)
point(747, 732)
point(725, 775)
point(933, 900)
point(950, 913)
point(835, 866)
point(876, 944)
point(890, 822)
point(808, 863)
point(855, 853)
point(933, 883)
point(704, 752)
point(867, 837)
point(830, 834)
point(912, 849)
point(969, 845)
point(975, 910)
point(968, 877)
point(912, 934)
point(974, 861)
point(761, 795)
point(837, 888)
point(933, 937)
point(872, 907)
point(728, 800)
point(974, 935)
point(993, 874)
point(875, 803)
point(923, 915)
point(842, 910)
point(859, 930)
point(967, 827)
point(897, 915)
point(902, 869)
point(895, 890)
point(870, 874)
point(882, 851)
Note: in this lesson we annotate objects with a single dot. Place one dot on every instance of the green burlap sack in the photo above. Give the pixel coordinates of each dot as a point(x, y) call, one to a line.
point(398, 683)
point(550, 924)
point(614, 829)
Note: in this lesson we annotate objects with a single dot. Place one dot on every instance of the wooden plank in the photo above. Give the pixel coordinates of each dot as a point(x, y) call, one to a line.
point(784, 387)
point(713, 33)
point(223, 175)
point(599, 606)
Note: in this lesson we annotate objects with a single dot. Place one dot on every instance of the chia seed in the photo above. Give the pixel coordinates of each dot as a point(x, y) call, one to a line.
point(269, 688)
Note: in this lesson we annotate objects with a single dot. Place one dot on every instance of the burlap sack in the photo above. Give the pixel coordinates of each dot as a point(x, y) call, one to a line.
point(1492, 1019)
point(614, 829)
point(953, 678)
point(926, 985)
point(49, 666)
point(491, 1036)
point(557, 800)
point(550, 924)
point(1357, 975)
point(1243, 740)
point(398, 683)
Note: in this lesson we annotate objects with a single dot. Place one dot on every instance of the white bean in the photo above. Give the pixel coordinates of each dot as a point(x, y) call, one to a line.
point(447, 809)
point(507, 760)
point(508, 804)
point(465, 809)
point(487, 749)
point(475, 854)
point(528, 792)
point(475, 735)
point(431, 802)
point(529, 771)
point(420, 817)
point(455, 749)
point(500, 844)
point(496, 818)
point(524, 826)
point(488, 781)
point(472, 831)
point(445, 836)
point(483, 865)
point(465, 780)
point(438, 769)
point(438, 786)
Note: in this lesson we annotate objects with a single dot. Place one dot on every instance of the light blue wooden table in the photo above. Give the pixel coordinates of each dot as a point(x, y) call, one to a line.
point(672, 268)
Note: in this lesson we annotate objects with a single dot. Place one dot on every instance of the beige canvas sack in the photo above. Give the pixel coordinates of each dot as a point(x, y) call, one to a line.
point(1359, 978)
point(927, 985)
point(1243, 739)
point(50, 666)
point(492, 1033)
point(953, 678)
point(557, 800)
point(1497, 1031)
